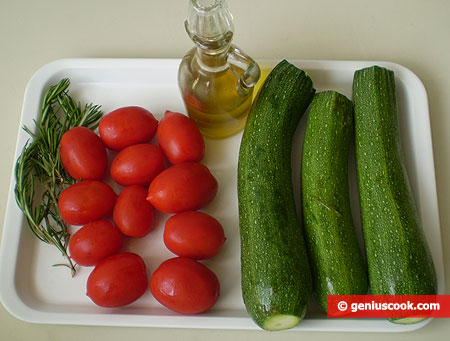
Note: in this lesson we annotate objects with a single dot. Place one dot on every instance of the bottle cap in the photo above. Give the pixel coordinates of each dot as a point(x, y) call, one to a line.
point(209, 22)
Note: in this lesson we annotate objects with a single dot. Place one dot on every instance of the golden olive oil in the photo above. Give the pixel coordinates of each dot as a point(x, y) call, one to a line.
point(213, 100)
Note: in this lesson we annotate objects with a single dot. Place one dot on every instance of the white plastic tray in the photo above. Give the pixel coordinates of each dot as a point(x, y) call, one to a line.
point(34, 291)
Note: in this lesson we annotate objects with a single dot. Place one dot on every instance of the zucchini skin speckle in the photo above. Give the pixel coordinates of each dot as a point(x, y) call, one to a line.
point(276, 278)
point(398, 256)
point(337, 263)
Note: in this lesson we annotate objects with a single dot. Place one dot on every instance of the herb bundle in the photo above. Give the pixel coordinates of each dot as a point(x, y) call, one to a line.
point(39, 173)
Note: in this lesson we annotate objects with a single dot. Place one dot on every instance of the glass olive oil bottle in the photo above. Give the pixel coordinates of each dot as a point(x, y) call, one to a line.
point(216, 78)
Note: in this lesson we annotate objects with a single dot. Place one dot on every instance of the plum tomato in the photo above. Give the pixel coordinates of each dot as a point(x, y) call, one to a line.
point(193, 234)
point(86, 201)
point(126, 126)
point(95, 241)
point(133, 214)
point(179, 138)
point(117, 280)
point(182, 187)
point(137, 164)
point(83, 154)
point(185, 286)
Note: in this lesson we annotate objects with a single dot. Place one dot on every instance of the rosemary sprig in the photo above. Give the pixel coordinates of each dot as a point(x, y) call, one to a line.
point(40, 175)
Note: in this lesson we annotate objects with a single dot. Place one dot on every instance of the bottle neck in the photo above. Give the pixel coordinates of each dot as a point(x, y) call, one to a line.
point(213, 60)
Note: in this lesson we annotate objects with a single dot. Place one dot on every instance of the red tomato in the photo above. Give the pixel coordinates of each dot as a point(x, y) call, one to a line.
point(185, 286)
point(179, 138)
point(182, 187)
point(137, 164)
point(133, 214)
point(95, 241)
point(83, 154)
point(117, 280)
point(86, 201)
point(193, 234)
point(126, 126)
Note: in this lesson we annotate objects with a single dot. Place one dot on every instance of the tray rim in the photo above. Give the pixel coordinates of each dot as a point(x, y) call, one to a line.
point(21, 310)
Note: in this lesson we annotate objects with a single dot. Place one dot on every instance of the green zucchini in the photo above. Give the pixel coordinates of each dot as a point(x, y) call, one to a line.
point(337, 263)
point(276, 278)
point(399, 259)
